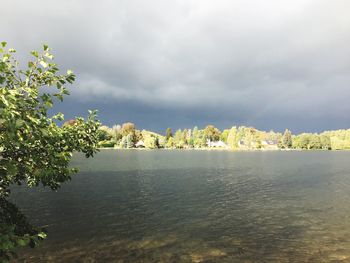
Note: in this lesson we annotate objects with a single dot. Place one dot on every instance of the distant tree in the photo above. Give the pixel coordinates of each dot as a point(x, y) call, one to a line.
point(178, 136)
point(287, 139)
point(195, 132)
point(302, 141)
point(211, 133)
point(70, 123)
point(123, 142)
point(151, 142)
point(168, 134)
point(103, 134)
point(191, 142)
point(185, 136)
point(117, 134)
point(232, 138)
point(224, 135)
point(127, 128)
point(325, 142)
point(170, 143)
point(130, 143)
point(315, 142)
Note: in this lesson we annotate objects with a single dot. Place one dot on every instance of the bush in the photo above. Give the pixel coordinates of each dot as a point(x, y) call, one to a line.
point(106, 144)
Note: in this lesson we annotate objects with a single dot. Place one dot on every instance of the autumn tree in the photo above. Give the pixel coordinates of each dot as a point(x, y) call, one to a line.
point(211, 133)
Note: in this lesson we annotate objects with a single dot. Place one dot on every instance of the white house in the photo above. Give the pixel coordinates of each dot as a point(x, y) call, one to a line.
point(217, 144)
point(140, 144)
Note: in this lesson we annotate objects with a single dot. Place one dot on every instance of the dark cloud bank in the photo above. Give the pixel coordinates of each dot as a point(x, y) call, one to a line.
point(269, 64)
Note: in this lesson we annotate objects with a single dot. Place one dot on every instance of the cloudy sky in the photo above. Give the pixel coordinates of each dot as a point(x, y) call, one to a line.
point(271, 64)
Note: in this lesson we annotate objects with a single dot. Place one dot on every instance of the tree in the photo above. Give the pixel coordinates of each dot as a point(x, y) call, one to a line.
point(130, 143)
point(123, 142)
point(127, 128)
point(168, 134)
point(325, 142)
point(170, 143)
point(185, 136)
point(211, 133)
point(287, 139)
point(178, 136)
point(104, 133)
point(224, 135)
point(34, 148)
point(117, 135)
point(232, 138)
point(315, 142)
point(151, 142)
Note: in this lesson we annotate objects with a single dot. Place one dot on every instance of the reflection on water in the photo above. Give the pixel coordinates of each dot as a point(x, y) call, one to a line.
point(196, 206)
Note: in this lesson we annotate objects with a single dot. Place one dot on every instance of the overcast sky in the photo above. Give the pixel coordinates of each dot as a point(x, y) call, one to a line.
point(271, 64)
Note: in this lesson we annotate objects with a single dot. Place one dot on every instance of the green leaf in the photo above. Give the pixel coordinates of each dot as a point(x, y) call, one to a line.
point(46, 47)
point(35, 53)
point(42, 235)
point(3, 44)
point(30, 64)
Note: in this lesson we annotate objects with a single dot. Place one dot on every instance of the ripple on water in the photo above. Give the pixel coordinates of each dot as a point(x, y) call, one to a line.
point(232, 207)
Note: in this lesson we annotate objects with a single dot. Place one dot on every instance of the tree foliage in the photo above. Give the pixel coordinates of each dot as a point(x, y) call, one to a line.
point(287, 139)
point(211, 133)
point(34, 149)
point(168, 134)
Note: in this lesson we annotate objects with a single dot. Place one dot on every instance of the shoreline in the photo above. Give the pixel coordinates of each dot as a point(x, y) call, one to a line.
point(222, 149)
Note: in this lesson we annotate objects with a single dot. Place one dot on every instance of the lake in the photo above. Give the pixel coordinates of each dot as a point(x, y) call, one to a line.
point(196, 206)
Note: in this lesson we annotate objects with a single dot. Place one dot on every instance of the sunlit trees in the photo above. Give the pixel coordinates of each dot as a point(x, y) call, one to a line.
point(179, 139)
point(168, 134)
point(152, 142)
point(130, 143)
point(325, 142)
point(34, 149)
point(232, 138)
point(224, 135)
point(116, 133)
point(170, 143)
point(211, 133)
point(287, 139)
point(127, 128)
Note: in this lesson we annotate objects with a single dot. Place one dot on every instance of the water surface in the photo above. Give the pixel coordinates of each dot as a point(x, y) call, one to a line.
point(196, 206)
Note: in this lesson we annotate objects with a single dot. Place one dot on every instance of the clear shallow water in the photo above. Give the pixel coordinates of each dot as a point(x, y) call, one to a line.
point(196, 206)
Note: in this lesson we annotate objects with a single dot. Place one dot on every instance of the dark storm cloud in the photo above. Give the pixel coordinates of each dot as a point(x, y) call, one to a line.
point(272, 64)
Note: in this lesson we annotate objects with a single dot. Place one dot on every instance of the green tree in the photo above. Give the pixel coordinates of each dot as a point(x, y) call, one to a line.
point(130, 142)
point(224, 135)
point(151, 142)
point(117, 135)
point(211, 133)
point(287, 139)
point(123, 142)
point(170, 143)
point(315, 142)
point(34, 149)
point(185, 136)
point(302, 141)
point(104, 133)
point(168, 134)
point(325, 142)
point(232, 138)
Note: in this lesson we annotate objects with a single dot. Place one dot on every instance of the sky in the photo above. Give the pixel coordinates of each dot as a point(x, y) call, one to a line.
point(269, 64)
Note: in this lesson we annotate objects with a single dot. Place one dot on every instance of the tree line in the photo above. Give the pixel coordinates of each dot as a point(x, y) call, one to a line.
point(235, 138)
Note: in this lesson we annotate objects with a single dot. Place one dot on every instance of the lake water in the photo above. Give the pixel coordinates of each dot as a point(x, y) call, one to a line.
point(196, 206)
